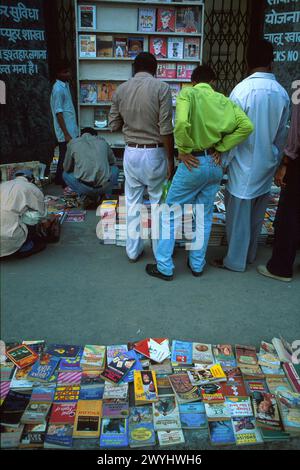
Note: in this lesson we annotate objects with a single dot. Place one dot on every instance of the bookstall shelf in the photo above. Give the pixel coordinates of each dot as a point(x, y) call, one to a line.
point(107, 31)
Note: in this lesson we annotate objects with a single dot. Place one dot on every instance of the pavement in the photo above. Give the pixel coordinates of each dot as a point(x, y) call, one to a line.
point(79, 291)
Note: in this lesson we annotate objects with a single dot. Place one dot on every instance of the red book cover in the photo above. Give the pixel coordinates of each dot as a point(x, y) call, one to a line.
point(235, 387)
point(185, 71)
point(63, 413)
point(292, 376)
point(22, 356)
point(158, 47)
point(166, 70)
point(166, 20)
point(246, 355)
point(212, 393)
point(142, 346)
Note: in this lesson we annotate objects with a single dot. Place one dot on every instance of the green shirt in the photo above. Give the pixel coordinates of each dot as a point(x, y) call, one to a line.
point(205, 118)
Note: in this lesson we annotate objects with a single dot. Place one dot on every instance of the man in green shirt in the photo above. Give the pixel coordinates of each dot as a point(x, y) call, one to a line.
point(207, 124)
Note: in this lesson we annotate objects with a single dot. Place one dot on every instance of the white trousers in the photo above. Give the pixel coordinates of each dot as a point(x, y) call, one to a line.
point(144, 169)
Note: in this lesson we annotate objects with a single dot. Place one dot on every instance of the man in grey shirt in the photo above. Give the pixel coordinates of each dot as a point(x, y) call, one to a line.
point(142, 108)
point(89, 166)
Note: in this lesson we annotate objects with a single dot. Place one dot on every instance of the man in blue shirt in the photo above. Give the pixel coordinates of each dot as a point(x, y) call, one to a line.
point(64, 116)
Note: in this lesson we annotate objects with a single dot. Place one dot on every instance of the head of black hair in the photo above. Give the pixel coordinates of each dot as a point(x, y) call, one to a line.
point(61, 67)
point(145, 62)
point(203, 74)
point(89, 130)
point(260, 54)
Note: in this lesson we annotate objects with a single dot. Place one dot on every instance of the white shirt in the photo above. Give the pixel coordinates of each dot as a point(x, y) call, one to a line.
point(16, 197)
point(253, 163)
point(61, 102)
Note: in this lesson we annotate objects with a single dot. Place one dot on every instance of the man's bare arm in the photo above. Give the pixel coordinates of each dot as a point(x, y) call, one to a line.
point(168, 141)
point(62, 125)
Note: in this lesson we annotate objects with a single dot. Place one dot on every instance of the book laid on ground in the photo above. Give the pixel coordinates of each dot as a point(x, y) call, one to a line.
point(267, 356)
point(166, 18)
point(135, 46)
point(145, 387)
point(20, 379)
point(69, 378)
point(63, 350)
point(192, 51)
point(164, 367)
point(266, 410)
point(117, 369)
point(22, 356)
point(91, 377)
point(36, 413)
point(71, 363)
point(114, 433)
point(234, 387)
point(175, 48)
point(221, 432)
point(87, 45)
point(158, 47)
point(192, 415)
point(184, 390)
point(251, 372)
point(104, 46)
point(212, 393)
point(246, 432)
point(59, 436)
point(188, 20)
point(10, 437)
point(283, 349)
point(239, 406)
point(13, 407)
point(115, 391)
point(63, 413)
point(37, 346)
point(256, 386)
point(87, 17)
point(43, 393)
point(289, 407)
point(246, 355)
point(223, 353)
point(87, 419)
point(203, 374)
point(202, 353)
point(93, 357)
point(66, 393)
point(91, 392)
point(33, 436)
point(217, 411)
point(156, 349)
point(277, 384)
point(115, 408)
point(44, 368)
point(292, 372)
point(171, 437)
point(182, 351)
point(141, 428)
point(166, 413)
point(146, 20)
point(269, 435)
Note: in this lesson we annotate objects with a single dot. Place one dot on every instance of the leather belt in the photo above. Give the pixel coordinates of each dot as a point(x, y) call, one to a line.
point(91, 185)
point(145, 146)
point(202, 153)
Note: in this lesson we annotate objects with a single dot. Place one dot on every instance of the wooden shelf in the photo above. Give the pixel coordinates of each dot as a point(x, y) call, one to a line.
point(139, 33)
point(129, 59)
point(141, 2)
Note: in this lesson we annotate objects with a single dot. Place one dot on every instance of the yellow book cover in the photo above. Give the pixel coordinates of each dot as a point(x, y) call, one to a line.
point(88, 419)
point(217, 372)
point(145, 387)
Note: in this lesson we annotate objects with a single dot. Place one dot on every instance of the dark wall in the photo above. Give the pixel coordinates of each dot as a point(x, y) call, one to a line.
point(26, 125)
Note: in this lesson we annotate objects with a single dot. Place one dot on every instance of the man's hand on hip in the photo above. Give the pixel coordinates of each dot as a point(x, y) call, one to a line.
point(189, 160)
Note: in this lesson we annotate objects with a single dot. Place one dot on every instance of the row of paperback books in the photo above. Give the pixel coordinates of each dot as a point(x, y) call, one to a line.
point(92, 45)
point(166, 20)
point(145, 392)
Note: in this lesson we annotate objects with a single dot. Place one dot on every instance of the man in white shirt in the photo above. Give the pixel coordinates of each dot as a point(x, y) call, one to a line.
point(22, 206)
point(252, 164)
point(64, 116)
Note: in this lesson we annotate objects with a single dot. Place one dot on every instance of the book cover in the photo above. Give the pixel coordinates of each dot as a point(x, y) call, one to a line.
point(44, 368)
point(224, 354)
point(175, 48)
point(252, 372)
point(141, 428)
point(188, 20)
point(100, 118)
point(245, 431)
point(171, 437)
point(114, 408)
point(166, 413)
point(182, 351)
point(202, 353)
point(71, 364)
point(266, 410)
point(292, 372)
point(158, 47)
point(91, 392)
point(146, 20)
point(192, 51)
point(87, 45)
point(184, 71)
point(43, 393)
point(37, 346)
point(165, 368)
point(166, 70)
point(88, 93)
point(184, 390)
point(212, 393)
point(33, 436)
point(289, 406)
point(10, 437)
point(166, 18)
point(163, 381)
point(103, 92)
point(63, 413)
point(175, 90)
point(87, 17)
point(66, 393)
point(137, 366)
point(276, 385)
point(87, 419)
point(20, 379)
point(221, 432)
point(135, 46)
point(256, 386)
point(22, 356)
point(114, 433)
point(272, 372)
point(13, 407)
point(246, 355)
point(145, 387)
point(239, 406)
point(234, 387)
point(59, 435)
point(120, 47)
point(93, 356)
point(156, 349)
point(105, 46)
point(267, 356)
point(63, 350)
point(217, 411)
point(192, 415)
point(283, 349)
point(36, 413)
point(118, 368)
point(203, 374)
point(91, 377)
point(115, 391)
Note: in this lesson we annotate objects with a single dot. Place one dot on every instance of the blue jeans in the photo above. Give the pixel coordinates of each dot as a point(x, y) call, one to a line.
point(84, 190)
point(198, 186)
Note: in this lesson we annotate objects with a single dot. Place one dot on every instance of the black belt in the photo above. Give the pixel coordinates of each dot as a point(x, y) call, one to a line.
point(91, 185)
point(145, 146)
point(202, 153)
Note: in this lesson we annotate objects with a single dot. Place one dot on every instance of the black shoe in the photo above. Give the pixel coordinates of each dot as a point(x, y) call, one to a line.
point(194, 273)
point(37, 247)
point(152, 270)
point(136, 259)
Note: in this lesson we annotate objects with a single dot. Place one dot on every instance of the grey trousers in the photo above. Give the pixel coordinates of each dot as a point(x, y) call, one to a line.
point(244, 218)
